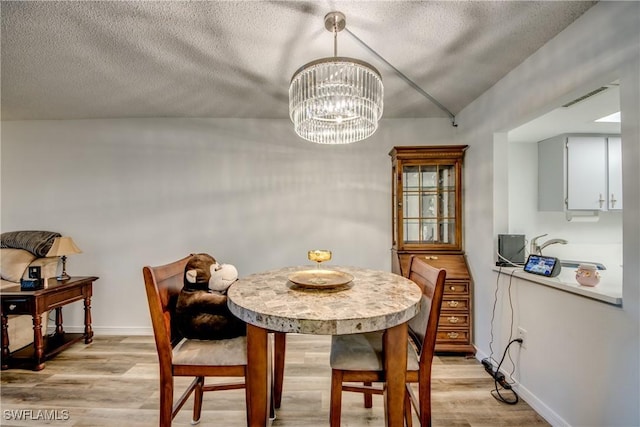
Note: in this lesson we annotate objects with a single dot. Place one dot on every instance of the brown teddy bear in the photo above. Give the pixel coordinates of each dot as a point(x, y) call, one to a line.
point(202, 313)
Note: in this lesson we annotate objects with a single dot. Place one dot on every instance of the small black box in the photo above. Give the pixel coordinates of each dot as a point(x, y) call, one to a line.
point(34, 272)
point(511, 248)
point(31, 284)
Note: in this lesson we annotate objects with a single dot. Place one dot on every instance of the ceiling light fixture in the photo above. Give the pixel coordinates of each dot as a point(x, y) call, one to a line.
point(336, 100)
point(611, 118)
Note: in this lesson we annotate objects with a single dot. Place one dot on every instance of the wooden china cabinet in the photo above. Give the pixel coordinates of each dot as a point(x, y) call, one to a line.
point(427, 222)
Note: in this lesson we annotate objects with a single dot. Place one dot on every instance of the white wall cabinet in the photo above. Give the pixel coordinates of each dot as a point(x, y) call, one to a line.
point(614, 153)
point(580, 173)
point(586, 173)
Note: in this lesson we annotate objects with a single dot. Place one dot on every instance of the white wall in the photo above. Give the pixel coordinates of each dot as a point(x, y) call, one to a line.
point(149, 191)
point(581, 365)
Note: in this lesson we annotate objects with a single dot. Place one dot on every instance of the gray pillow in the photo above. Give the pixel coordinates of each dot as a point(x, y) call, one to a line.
point(36, 242)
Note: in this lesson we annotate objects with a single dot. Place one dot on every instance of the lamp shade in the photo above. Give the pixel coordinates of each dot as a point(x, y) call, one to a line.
point(63, 246)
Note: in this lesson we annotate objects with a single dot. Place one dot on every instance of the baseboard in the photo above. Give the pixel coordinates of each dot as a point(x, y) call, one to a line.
point(540, 407)
point(110, 330)
point(532, 400)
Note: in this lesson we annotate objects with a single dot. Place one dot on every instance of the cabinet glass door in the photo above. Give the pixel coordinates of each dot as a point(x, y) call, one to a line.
point(428, 214)
point(394, 203)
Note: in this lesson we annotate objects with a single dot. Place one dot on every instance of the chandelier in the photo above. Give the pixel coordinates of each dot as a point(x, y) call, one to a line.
point(335, 100)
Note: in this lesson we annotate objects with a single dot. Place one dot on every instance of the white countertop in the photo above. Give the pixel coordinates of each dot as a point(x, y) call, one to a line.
point(609, 289)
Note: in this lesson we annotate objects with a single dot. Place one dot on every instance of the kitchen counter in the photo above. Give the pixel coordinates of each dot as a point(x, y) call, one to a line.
point(609, 289)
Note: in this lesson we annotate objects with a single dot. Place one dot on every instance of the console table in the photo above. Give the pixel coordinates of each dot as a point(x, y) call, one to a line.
point(55, 294)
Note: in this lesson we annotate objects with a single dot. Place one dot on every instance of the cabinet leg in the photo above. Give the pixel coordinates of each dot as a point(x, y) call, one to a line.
point(38, 342)
point(88, 332)
point(59, 328)
point(5, 342)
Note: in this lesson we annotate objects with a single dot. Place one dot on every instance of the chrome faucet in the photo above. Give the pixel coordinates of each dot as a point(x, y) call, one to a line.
point(537, 249)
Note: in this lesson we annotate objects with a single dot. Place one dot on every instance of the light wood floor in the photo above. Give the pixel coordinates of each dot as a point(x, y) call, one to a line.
point(114, 382)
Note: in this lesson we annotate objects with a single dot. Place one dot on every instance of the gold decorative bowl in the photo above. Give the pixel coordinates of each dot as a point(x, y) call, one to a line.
point(320, 279)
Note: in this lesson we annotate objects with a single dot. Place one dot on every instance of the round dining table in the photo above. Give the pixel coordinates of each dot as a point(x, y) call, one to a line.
point(365, 300)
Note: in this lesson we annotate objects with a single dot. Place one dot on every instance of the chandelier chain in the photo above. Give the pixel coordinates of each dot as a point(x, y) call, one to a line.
point(410, 82)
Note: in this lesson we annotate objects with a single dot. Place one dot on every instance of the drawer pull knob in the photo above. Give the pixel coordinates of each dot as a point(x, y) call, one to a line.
point(453, 304)
point(12, 307)
point(453, 288)
point(431, 257)
point(453, 335)
point(453, 319)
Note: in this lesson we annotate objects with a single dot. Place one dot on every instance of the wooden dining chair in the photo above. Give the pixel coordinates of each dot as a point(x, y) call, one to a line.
point(358, 358)
point(180, 357)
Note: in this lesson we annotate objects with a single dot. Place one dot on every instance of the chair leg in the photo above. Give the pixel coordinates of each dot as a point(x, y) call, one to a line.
point(166, 402)
point(407, 408)
point(272, 406)
point(368, 401)
point(280, 346)
point(197, 401)
point(335, 410)
point(424, 391)
point(247, 398)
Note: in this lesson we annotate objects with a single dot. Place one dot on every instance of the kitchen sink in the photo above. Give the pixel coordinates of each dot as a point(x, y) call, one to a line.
point(575, 264)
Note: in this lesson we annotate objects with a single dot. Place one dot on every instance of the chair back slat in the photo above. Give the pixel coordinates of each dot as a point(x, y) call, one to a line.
point(423, 327)
point(163, 285)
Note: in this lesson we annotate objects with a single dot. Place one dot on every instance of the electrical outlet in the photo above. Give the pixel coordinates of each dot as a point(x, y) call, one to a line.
point(522, 334)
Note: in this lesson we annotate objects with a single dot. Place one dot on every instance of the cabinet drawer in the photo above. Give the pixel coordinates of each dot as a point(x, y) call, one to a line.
point(456, 288)
point(16, 306)
point(453, 302)
point(453, 319)
point(452, 336)
point(455, 265)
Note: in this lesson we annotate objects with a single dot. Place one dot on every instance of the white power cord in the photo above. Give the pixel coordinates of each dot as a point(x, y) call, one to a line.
point(508, 261)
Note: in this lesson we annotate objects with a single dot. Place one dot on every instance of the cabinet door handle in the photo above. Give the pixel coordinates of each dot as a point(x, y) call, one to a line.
point(601, 201)
point(613, 200)
point(453, 304)
point(453, 335)
point(12, 307)
point(453, 319)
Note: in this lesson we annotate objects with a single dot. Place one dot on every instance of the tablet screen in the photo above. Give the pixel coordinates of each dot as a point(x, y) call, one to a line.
point(542, 265)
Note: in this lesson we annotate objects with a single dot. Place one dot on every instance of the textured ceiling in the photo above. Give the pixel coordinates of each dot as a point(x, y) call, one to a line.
point(113, 59)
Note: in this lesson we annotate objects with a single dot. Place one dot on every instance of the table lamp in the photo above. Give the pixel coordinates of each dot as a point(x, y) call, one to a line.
point(63, 246)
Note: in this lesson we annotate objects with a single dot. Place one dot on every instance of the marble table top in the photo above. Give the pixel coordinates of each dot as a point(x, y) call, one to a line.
point(374, 300)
